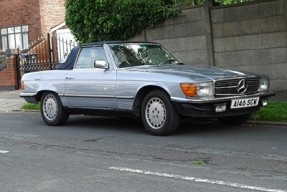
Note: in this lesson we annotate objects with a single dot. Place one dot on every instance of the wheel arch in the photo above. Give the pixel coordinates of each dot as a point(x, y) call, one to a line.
point(40, 94)
point(142, 92)
point(52, 110)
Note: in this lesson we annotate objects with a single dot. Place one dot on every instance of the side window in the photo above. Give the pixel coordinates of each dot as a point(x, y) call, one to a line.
point(88, 55)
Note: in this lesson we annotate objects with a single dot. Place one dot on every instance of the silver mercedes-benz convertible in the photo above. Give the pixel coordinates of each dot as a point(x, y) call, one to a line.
point(144, 80)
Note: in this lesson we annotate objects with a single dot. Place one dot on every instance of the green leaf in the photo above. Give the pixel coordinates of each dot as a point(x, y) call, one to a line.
point(95, 20)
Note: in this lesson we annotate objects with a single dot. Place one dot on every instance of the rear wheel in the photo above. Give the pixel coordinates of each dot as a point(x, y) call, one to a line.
point(234, 120)
point(158, 114)
point(52, 110)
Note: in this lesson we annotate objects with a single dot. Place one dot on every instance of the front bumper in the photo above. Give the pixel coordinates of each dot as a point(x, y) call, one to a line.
point(207, 107)
point(29, 97)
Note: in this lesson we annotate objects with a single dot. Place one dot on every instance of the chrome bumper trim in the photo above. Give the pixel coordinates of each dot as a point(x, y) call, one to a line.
point(222, 99)
point(27, 94)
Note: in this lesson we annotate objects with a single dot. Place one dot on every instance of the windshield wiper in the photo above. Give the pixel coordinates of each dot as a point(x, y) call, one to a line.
point(179, 63)
point(168, 62)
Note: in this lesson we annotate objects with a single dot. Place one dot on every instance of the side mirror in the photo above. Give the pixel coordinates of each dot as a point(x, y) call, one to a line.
point(102, 64)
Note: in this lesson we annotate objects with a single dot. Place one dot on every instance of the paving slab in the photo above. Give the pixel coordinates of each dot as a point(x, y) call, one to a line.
point(10, 101)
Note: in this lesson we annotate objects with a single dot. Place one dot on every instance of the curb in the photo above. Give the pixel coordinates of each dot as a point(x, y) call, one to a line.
point(266, 123)
point(25, 110)
point(250, 122)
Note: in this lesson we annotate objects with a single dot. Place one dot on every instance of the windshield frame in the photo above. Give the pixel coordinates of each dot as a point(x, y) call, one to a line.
point(170, 58)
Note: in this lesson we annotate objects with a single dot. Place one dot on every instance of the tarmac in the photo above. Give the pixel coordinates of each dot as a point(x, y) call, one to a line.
point(10, 100)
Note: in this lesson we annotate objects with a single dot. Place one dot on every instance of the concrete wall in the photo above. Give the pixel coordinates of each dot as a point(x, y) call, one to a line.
point(185, 36)
point(253, 37)
point(248, 37)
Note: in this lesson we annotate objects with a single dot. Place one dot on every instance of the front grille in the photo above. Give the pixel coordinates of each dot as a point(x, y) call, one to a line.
point(230, 86)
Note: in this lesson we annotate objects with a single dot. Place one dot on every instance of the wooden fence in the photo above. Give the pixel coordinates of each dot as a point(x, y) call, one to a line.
point(42, 55)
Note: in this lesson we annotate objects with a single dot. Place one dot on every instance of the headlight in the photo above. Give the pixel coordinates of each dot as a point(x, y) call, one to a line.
point(204, 89)
point(264, 84)
point(197, 89)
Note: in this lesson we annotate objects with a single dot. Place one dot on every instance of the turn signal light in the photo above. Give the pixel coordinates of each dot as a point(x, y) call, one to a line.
point(189, 89)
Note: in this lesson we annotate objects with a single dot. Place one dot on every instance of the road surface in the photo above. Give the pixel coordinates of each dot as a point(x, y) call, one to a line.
point(109, 154)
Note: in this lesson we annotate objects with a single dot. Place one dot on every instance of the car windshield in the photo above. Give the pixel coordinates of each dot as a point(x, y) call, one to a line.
point(132, 54)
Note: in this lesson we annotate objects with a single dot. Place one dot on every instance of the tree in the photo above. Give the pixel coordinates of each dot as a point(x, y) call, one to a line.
point(99, 20)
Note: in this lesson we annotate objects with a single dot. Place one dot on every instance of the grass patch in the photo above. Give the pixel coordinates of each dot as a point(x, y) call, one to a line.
point(198, 162)
point(31, 106)
point(274, 111)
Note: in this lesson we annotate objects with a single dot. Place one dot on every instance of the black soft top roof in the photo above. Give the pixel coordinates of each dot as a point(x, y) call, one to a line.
point(69, 63)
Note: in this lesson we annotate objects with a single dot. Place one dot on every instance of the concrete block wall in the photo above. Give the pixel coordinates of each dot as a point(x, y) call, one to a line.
point(184, 36)
point(253, 37)
point(247, 37)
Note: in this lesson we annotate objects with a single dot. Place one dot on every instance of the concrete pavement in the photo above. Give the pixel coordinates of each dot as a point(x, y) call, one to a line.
point(10, 100)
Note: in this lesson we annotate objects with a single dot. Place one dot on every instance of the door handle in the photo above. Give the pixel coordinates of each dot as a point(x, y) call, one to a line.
point(69, 77)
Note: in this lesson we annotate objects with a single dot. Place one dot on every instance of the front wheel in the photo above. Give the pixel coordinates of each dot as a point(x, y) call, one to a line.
point(234, 120)
point(52, 110)
point(158, 114)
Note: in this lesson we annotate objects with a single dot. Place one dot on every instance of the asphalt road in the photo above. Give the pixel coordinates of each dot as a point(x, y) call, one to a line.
point(107, 154)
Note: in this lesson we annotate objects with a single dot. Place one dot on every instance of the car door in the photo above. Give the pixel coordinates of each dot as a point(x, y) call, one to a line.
point(89, 87)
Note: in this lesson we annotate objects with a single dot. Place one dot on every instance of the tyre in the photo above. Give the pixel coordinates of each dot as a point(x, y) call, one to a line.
point(234, 120)
point(52, 110)
point(158, 114)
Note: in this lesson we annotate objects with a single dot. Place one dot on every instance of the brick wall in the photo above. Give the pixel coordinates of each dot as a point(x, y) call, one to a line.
point(39, 15)
point(52, 13)
point(8, 76)
point(25, 12)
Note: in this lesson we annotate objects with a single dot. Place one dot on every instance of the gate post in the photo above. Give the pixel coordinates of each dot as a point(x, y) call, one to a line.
point(18, 72)
point(50, 51)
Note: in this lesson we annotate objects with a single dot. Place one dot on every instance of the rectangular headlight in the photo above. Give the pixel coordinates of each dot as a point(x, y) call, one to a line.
point(197, 89)
point(264, 84)
point(204, 89)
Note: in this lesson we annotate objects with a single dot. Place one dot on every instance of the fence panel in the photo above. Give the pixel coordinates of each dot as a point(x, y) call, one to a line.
point(42, 55)
point(64, 47)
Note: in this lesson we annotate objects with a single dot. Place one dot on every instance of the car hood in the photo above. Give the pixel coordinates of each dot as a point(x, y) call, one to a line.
point(191, 71)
